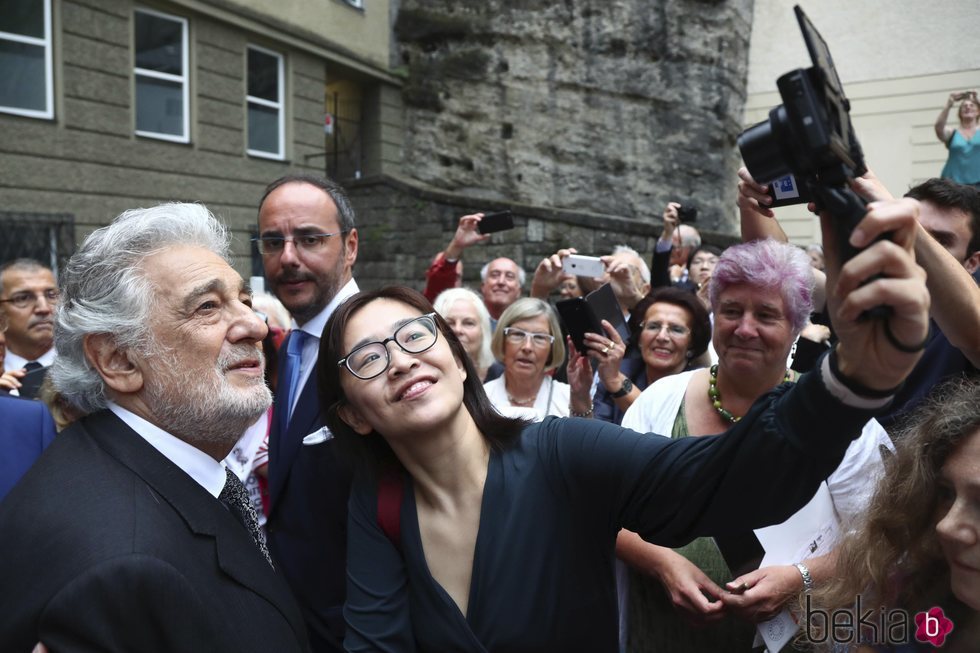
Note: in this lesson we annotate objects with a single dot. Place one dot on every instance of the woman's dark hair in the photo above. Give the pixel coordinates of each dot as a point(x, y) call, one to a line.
point(371, 452)
point(700, 322)
point(711, 249)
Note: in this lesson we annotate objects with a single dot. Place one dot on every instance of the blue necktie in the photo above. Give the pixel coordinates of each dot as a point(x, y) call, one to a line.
point(294, 350)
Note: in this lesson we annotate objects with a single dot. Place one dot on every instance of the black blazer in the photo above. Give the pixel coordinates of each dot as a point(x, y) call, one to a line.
point(109, 546)
point(307, 525)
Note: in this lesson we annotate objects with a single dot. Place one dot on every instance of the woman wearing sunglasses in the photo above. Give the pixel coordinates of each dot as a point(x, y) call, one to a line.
point(470, 531)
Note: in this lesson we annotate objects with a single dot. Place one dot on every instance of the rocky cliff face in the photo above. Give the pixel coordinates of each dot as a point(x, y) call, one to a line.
point(609, 106)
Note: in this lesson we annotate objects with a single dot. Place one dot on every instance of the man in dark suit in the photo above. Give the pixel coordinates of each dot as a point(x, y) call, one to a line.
point(129, 534)
point(309, 245)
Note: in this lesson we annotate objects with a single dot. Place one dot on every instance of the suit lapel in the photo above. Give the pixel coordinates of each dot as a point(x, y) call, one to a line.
point(306, 419)
point(204, 515)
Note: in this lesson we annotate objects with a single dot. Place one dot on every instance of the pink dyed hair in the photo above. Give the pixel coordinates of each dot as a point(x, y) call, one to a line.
point(768, 265)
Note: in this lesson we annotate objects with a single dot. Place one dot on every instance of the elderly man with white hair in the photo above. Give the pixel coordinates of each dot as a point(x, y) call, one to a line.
point(130, 533)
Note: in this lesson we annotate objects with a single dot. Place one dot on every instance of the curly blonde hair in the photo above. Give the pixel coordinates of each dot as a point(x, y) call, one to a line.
point(893, 559)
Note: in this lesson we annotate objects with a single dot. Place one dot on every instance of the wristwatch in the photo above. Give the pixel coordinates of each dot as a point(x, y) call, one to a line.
point(624, 390)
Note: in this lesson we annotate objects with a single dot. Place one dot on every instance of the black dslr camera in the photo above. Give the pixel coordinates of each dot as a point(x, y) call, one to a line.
point(807, 149)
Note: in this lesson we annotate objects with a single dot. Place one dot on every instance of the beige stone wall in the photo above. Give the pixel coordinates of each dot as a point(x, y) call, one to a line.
point(898, 63)
point(364, 32)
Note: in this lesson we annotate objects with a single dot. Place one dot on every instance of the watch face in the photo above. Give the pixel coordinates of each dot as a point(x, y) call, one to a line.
point(624, 390)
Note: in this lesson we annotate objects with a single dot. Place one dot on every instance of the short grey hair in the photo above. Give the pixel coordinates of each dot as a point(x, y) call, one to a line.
point(104, 290)
point(644, 268)
point(521, 274)
point(689, 236)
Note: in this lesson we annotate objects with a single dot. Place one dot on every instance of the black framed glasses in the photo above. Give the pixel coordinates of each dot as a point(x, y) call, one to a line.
point(673, 330)
point(372, 358)
point(28, 299)
point(518, 336)
point(307, 243)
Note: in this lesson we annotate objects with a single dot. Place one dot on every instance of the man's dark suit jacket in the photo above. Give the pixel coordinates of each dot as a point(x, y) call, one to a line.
point(307, 524)
point(26, 428)
point(109, 546)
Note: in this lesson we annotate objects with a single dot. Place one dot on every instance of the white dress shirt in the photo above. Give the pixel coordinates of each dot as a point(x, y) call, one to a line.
point(14, 362)
point(205, 470)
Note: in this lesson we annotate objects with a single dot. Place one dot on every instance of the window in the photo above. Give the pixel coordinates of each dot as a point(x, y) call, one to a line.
point(25, 58)
point(265, 99)
point(160, 72)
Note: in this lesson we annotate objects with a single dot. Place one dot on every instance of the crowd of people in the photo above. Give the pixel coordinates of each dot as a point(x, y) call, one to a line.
point(325, 469)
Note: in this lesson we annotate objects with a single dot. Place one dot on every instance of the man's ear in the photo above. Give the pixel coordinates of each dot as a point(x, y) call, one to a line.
point(353, 418)
point(972, 263)
point(113, 364)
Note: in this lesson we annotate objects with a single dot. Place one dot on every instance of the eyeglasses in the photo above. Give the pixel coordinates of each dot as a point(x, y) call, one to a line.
point(27, 299)
point(518, 336)
point(673, 330)
point(308, 243)
point(372, 359)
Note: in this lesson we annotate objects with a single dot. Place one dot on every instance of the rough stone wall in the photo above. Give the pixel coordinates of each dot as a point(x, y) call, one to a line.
point(608, 106)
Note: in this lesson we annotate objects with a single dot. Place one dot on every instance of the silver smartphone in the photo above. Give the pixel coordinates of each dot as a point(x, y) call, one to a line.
point(584, 266)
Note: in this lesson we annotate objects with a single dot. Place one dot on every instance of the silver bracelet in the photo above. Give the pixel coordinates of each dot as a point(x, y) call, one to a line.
point(807, 578)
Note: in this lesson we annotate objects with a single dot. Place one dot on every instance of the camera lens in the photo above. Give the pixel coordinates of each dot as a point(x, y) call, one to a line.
point(762, 149)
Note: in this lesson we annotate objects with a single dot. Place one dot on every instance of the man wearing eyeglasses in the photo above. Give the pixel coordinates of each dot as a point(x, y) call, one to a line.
point(308, 244)
point(28, 295)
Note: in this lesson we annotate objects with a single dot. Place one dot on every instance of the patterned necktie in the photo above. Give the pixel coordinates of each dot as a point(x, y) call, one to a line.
point(294, 351)
point(234, 496)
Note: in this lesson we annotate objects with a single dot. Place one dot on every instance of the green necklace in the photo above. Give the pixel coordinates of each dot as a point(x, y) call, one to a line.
point(715, 397)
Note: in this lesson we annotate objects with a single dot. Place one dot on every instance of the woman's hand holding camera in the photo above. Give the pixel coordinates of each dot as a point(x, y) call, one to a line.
point(878, 353)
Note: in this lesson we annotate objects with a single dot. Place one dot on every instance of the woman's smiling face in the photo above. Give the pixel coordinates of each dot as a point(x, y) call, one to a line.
point(416, 392)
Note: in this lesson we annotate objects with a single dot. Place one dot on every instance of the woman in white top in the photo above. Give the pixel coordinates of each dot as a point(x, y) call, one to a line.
point(528, 341)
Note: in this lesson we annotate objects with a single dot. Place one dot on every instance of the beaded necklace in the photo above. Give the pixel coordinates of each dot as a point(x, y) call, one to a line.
point(715, 397)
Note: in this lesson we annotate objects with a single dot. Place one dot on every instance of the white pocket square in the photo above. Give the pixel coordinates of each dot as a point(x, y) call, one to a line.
point(317, 437)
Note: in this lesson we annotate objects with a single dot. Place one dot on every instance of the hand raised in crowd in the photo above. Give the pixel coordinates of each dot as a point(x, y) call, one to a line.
point(608, 350)
point(548, 275)
point(672, 220)
point(878, 353)
point(466, 235)
point(579, 379)
point(753, 197)
point(625, 277)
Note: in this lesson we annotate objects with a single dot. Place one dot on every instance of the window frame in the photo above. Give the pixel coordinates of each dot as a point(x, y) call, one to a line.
point(280, 105)
point(48, 112)
point(184, 79)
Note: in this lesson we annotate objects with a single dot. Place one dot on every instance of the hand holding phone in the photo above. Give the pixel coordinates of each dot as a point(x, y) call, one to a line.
point(584, 266)
point(493, 222)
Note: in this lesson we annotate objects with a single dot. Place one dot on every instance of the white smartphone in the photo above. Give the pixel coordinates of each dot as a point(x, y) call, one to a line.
point(584, 266)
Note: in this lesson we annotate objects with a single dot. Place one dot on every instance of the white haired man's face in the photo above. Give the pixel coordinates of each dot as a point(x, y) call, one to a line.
point(203, 376)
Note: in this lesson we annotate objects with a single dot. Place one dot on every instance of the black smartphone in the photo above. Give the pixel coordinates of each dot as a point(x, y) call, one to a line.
point(687, 213)
point(30, 383)
point(493, 222)
point(579, 319)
